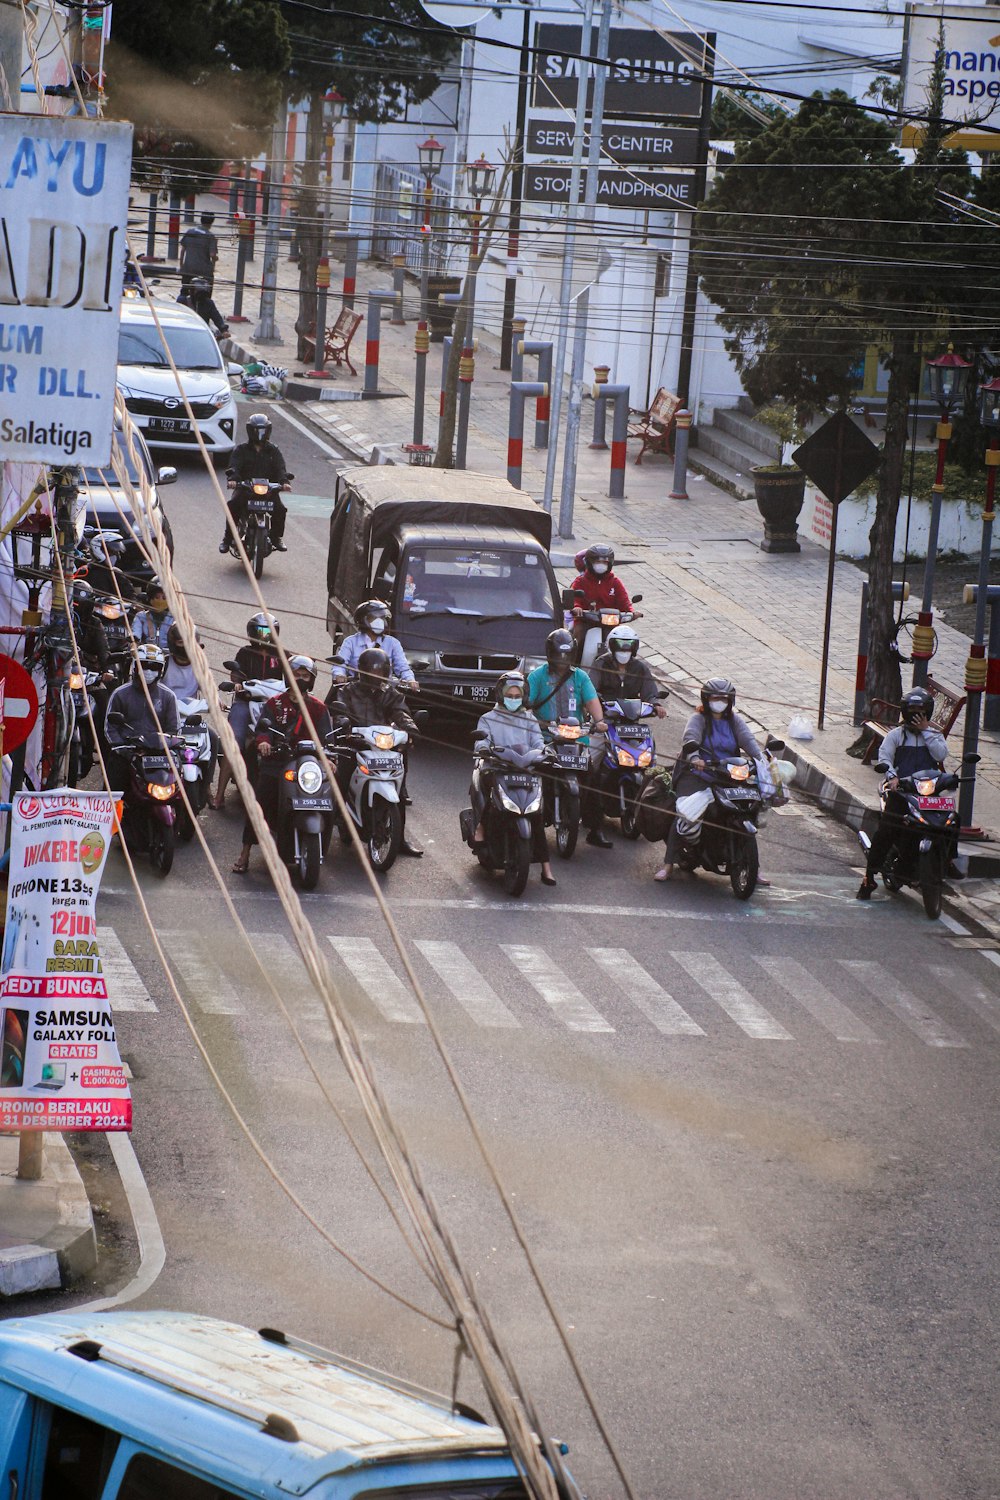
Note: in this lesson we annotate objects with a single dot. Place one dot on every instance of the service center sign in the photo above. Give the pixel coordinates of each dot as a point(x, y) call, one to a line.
point(63, 206)
point(59, 1062)
point(970, 58)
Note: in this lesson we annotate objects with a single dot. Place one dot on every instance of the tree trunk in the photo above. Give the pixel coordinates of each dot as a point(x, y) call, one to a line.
point(883, 676)
point(310, 236)
point(445, 456)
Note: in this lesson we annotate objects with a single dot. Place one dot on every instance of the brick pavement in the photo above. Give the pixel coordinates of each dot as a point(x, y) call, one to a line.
point(713, 601)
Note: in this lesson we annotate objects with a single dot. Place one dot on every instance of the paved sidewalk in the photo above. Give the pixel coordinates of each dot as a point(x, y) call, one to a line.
point(46, 1227)
point(713, 601)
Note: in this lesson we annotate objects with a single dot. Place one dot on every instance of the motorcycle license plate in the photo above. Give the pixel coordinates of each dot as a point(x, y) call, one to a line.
point(475, 692)
point(630, 732)
point(259, 503)
point(168, 424)
point(518, 782)
point(383, 762)
point(155, 762)
point(573, 755)
point(742, 793)
point(936, 804)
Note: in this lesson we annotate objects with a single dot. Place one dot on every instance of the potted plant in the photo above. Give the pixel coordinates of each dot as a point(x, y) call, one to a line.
point(780, 488)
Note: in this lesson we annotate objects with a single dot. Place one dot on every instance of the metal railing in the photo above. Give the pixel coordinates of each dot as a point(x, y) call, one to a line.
point(398, 216)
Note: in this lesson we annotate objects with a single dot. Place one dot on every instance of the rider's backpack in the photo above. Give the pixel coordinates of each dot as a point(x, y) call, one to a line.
point(656, 806)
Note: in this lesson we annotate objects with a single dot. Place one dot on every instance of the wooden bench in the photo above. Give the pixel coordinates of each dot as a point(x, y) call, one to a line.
point(656, 426)
point(948, 704)
point(338, 339)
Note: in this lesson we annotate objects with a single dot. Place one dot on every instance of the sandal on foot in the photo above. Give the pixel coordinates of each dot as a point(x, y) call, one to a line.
point(664, 874)
point(241, 867)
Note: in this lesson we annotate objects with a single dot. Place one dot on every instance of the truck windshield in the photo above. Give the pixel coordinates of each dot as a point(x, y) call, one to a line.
point(477, 583)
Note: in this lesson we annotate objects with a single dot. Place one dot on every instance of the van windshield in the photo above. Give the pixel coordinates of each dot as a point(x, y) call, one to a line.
point(476, 583)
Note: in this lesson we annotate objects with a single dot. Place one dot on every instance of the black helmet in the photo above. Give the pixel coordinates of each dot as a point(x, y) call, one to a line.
point(176, 646)
point(261, 627)
point(559, 650)
point(306, 665)
point(917, 702)
point(599, 553)
point(258, 428)
point(718, 687)
point(83, 599)
point(510, 680)
point(372, 609)
point(374, 668)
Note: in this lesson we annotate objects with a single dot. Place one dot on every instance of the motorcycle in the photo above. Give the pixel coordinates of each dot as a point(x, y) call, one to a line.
point(82, 687)
point(718, 825)
point(569, 764)
point(627, 755)
point(515, 798)
point(258, 513)
point(195, 762)
point(374, 794)
point(928, 833)
point(599, 623)
point(151, 799)
point(305, 814)
point(257, 689)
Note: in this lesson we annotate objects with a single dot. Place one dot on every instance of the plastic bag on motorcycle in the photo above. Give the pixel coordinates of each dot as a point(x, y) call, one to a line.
point(656, 806)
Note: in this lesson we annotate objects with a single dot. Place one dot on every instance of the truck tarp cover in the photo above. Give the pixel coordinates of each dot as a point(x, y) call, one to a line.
point(391, 495)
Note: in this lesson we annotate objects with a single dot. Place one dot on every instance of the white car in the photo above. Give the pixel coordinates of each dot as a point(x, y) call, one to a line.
point(149, 386)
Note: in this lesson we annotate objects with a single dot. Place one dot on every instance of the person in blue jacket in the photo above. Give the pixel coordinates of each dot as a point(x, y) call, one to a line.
point(373, 619)
point(558, 690)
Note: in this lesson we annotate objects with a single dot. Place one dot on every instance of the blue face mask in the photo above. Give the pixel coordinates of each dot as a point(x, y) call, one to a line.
point(512, 704)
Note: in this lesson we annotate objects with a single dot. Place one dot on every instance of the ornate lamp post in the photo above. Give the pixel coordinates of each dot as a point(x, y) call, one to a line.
point(431, 153)
point(333, 112)
point(479, 176)
point(948, 376)
point(975, 667)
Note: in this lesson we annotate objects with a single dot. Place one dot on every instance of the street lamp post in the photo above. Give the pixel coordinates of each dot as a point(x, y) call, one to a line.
point(431, 154)
point(333, 113)
point(480, 176)
point(975, 667)
point(948, 376)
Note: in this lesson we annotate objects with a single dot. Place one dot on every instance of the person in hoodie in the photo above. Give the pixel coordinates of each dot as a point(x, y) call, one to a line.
point(511, 725)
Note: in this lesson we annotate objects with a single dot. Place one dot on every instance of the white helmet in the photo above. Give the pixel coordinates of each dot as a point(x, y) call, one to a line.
point(623, 642)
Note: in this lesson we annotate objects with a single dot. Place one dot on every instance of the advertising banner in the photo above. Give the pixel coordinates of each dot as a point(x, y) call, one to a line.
point(59, 1062)
point(628, 145)
point(970, 56)
point(615, 189)
point(63, 206)
point(649, 74)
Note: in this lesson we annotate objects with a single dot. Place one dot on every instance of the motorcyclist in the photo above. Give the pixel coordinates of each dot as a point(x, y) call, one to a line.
point(558, 690)
point(510, 726)
point(600, 585)
point(179, 677)
point(257, 458)
point(913, 746)
point(256, 661)
point(92, 643)
point(139, 720)
point(153, 623)
point(620, 672)
point(370, 698)
point(281, 719)
point(102, 553)
point(197, 295)
point(715, 730)
point(373, 619)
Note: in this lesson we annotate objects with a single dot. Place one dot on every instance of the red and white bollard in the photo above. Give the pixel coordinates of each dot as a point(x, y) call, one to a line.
point(618, 396)
point(520, 391)
point(601, 376)
point(543, 353)
point(373, 335)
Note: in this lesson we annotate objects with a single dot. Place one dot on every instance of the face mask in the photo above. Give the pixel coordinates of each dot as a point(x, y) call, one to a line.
point(600, 568)
point(718, 705)
point(622, 657)
point(158, 611)
point(150, 675)
point(376, 627)
point(512, 704)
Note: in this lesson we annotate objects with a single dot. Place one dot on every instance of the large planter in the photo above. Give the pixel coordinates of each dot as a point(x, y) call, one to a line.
point(780, 493)
point(441, 318)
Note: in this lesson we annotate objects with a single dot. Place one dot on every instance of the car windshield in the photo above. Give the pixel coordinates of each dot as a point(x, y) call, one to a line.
point(477, 582)
point(107, 478)
point(192, 348)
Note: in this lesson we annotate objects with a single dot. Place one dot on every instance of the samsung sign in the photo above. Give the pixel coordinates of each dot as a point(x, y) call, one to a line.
point(971, 60)
point(649, 74)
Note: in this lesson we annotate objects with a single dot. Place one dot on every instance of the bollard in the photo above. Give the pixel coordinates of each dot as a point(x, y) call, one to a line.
point(466, 375)
point(991, 697)
point(520, 391)
point(682, 428)
point(398, 319)
point(376, 301)
point(543, 352)
point(244, 230)
point(445, 353)
point(350, 268)
point(601, 374)
point(618, 394)
point(189, 209)
point(250, 210)
point(517, 327)
point(899, 591)
point(421, 346)
point(319, 370)
point(234, 195)
point(174, 226)
point(977, 667)
point(151, 229)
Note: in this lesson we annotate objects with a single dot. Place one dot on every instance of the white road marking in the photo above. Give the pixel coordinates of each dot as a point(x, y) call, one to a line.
point(823, 1006)
point(559, 992)
point(735, 1000)
point(380, 983)
point(306, 432)
point(468, 985)
point(914, 1013)
point(283, 962)
point(210, 989)
point(126, 990)
point(984, 1003)
point(152, 1251)
point(953, 926)
point(644, 992)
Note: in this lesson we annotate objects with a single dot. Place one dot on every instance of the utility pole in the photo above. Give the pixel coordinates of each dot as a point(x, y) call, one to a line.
point(516, 192)
point(568, 494)
point(569, 245)
point(691, 275)
point(266, 330)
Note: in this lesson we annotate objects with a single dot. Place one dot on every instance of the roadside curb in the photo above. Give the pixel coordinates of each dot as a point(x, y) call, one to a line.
point(64, 1245)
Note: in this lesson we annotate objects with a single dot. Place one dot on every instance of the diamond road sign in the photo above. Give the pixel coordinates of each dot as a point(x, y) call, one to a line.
point(837, 457)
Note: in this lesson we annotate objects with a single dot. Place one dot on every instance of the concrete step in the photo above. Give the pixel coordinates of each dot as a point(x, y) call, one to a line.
point(715, 444)
point(737, 482)
point(754, 434)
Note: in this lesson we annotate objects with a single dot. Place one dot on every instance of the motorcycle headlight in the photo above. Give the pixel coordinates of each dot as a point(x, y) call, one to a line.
point(509, 802)
point(110, 611)
point(567, 731)
point(611, 619)
point(220, 398)
point(261, 489)
point(385, 741)
point(310, 777)
point(625, 757)
point(75, 681)
point(926, 786)
point(645, 757)
point(161, 791)
point(740, 772)
point(535, 805)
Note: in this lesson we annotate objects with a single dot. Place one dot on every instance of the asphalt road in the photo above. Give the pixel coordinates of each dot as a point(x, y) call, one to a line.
point(752, 1145)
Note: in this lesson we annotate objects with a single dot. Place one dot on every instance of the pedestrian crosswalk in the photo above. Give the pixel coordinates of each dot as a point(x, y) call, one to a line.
point(685, 994)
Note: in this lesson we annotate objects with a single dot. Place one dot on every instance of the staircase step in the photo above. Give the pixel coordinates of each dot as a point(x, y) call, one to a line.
point(724, 475)
point(714, 443)
point(754, 434)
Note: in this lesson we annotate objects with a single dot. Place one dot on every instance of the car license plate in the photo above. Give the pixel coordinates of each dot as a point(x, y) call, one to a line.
point(478, 693)
point(936, 804)
point(168, 424)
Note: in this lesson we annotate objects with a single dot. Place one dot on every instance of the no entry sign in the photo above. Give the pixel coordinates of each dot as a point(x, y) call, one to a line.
point(18, 703)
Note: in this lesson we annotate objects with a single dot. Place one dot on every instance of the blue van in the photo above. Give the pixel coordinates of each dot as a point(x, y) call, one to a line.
point(173, 1406)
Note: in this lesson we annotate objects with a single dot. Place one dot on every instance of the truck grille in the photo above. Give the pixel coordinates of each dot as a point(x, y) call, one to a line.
point(459, 662)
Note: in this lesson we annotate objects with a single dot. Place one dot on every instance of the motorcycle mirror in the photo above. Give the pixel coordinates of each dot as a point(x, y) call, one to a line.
point(971, 759)
point(227, 687)
point(881, 766)
point(569, 598)
point(421, 717)
point(663, 693)
point(420, 666)
point(234, 369)
point(689, 747)
point(774, 746)
point(231, 666)
point(116, 718)
point(636, 598)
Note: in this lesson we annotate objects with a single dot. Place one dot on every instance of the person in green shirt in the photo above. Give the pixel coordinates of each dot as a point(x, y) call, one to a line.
point(559, 690)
